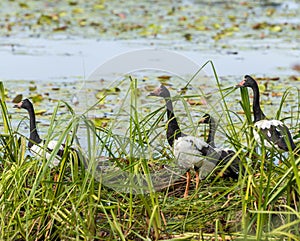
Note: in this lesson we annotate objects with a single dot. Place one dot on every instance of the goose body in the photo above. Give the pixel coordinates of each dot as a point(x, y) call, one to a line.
point(35, 144)
point(190, 152)
point(270, 133)
point(38, 150)
point(225, 154)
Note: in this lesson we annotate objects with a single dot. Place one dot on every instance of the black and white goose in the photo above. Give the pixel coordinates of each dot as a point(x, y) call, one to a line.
point(226, 154)
point(273, 133)
point(190, 151)
point(36, 144)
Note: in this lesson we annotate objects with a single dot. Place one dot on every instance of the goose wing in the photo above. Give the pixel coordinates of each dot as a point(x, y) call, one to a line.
point(274, 133)
point(234, 167)
point(39, 151)
point(191, 152)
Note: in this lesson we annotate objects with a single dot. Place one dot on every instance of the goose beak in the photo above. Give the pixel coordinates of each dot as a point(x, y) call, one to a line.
point(155, 92)
point(241, 84)
point(202, 120)
point(19, 105)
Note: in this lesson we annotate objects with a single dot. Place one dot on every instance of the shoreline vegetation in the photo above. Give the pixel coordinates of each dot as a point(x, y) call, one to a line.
point(131, 189)
point(63, 203)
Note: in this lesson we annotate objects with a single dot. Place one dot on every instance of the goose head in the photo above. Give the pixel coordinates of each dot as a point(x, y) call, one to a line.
point(25, 104)
point(248, 81)
point(205, 119)
point(161, 91)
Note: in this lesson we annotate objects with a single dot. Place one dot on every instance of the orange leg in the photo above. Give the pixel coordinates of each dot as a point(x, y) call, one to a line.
point(197, 180)
point(55, 179)
point(188, 181)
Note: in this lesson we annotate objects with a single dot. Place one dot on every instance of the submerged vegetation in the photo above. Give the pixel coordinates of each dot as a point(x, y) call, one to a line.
point(116, 196)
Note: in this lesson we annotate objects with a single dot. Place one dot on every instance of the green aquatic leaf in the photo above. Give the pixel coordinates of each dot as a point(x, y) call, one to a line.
point(270, 11)
point(82, 22)
point(44, 19)
point(188, 36)
point(37, 98)
point(77, 10)
point(101, 96)
point(232, 18)
point(216, 26)
point(276, 28)
point(98, 6)
point(40, 111)
point(201, 28)
point(32, 87)
point(23, 5)
point(62, 14)
point(18, 98)
point(101, 122)
point(73, 2)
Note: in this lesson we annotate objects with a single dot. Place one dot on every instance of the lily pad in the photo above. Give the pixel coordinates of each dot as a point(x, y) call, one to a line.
point(32, 87)
point(101, 122)
point(40, 112)
point(37, 98)
point(18, 98)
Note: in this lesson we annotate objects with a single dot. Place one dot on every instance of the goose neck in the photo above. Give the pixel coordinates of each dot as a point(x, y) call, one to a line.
point(212, 132)
point(258, 113)
point(173, 129)
point(34, 136)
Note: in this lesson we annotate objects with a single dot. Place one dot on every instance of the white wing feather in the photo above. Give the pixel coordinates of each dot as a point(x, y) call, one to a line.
point(40, 152)
point(188, 152)
point(262, 125)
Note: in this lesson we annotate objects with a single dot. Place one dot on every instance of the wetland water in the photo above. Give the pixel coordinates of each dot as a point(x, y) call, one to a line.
point(62, 67)
point(57, 60)
point(260, 40)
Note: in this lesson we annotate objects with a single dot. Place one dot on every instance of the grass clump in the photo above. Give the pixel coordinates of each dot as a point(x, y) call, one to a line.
point(117, 197)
